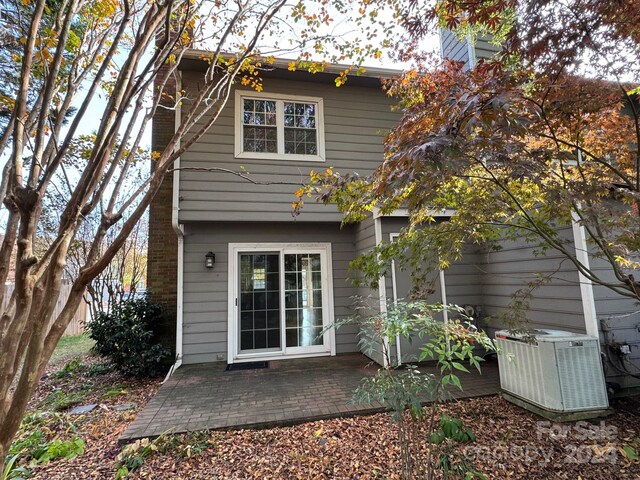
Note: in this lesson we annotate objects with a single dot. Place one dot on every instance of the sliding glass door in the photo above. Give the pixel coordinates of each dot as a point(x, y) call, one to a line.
point(303, 300)
point(259, 304)
point(282, 302)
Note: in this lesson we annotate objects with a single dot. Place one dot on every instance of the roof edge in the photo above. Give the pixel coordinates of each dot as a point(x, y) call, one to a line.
point(333, 68)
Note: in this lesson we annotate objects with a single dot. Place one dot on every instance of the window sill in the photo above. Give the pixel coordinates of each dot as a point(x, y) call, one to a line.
point(280, 156)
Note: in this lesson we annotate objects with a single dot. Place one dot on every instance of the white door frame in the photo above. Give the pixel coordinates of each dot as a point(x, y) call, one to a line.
point(329, 345)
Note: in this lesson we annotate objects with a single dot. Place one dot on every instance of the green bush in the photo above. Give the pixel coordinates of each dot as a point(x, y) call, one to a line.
point(128, 336)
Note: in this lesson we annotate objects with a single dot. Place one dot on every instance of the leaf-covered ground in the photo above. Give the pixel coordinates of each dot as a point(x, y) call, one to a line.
point(511, 443)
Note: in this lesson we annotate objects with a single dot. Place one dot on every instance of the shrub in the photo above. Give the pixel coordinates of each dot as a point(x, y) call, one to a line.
point(128, 337)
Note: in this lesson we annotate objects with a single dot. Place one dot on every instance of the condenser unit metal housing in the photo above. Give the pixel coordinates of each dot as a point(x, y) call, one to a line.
point(556, 370)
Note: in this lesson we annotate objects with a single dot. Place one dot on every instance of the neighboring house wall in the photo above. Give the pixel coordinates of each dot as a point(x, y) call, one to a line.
point(355, 122)
point(464, 50)
point(463, 278)
point(557, 304)
point(206, 291)
point(452, 48)
point(489, 279)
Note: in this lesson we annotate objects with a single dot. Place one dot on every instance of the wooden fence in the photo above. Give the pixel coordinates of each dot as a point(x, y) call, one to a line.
point(76, 326)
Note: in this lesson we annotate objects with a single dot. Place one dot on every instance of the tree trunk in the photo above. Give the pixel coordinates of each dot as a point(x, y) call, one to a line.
point(41, 346)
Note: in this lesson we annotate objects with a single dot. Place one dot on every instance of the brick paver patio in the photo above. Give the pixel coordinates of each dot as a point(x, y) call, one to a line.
point(205, 396)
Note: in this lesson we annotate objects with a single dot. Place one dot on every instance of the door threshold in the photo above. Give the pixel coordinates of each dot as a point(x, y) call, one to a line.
point(267, 358)
point(246, 366)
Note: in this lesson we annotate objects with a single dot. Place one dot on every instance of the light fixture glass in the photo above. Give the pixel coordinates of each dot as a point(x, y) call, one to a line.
point(209, 260)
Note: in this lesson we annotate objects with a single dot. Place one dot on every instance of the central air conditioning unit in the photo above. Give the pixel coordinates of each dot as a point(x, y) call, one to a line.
point(556, 370)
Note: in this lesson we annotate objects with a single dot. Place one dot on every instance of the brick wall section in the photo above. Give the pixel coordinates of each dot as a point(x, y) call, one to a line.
point(162, 260)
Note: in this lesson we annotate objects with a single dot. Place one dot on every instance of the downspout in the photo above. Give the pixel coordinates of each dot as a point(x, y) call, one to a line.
point(445, 312)
point(395, 304)
point(443, 297)
point(394, 288)
point(178, 229)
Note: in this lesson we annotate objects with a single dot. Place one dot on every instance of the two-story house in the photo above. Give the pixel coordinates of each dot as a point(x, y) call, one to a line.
point(276, 281)
point(248, 281)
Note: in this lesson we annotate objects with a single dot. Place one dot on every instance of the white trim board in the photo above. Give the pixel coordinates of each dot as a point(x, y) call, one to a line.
point(404, 212)
point(328, 348)
point(382, 287)
point(586, 286)
point(280, 99)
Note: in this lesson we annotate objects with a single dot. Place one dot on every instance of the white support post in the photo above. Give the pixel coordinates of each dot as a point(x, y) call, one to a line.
point(586, 286)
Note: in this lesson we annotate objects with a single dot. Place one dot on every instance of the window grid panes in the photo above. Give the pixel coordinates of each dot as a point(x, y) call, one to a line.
point(259, 131)
point(259, 301)
point(303, 300)
point(268, 126)
point(300, 128)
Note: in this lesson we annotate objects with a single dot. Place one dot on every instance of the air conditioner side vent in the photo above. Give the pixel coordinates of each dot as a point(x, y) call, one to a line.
point(560, 371)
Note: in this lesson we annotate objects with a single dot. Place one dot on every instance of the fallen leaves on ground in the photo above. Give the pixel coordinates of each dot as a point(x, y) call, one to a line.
point(511, 443)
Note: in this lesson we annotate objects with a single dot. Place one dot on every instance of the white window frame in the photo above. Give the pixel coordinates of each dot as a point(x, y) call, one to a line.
point(328, 346)
point(279, 98)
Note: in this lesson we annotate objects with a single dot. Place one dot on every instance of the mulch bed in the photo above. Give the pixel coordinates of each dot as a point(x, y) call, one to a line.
point(511, 443)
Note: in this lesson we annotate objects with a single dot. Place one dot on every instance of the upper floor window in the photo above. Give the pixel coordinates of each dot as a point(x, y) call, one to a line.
point(279, 126)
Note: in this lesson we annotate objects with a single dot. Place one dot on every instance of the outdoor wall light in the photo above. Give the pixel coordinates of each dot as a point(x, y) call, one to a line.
point(209, 260)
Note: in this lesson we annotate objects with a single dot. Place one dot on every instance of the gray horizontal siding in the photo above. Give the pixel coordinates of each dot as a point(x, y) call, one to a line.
point(620, 329)
point(355, 122)
point(365, 237)
point(464, 278)
point(205, 291)
point(555, 305)
point(409, 349)
point(483, 48)
point(608, 302)
point(463, 282)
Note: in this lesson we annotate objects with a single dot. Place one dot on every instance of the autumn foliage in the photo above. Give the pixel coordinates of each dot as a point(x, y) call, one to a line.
point(544, 134)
